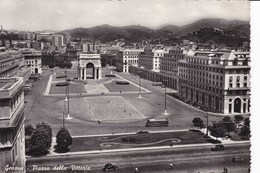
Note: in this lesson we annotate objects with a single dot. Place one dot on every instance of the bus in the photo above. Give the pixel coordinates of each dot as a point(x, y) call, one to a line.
point(157, 84)
point(157, 123)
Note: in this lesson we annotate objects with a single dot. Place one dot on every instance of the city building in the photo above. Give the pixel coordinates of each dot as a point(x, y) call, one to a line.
point(12, 134)
point(58, 41)
point(33, 59)
point(218, 81)
point(169, 61)
point(150, 59)
point(9, 64)
point(127, 58)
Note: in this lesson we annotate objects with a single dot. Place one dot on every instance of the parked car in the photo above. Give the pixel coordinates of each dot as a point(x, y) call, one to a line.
point(237, 159)
point(110, 167)
point(141, 132)
point(217, 148)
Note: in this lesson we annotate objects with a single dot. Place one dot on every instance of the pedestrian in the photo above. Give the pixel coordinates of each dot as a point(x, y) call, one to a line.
point(171, 165)
point(136, 170)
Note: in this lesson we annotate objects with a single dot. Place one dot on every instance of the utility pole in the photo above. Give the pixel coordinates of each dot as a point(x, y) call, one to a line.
point(139, 96)
point(165, 109)
point(207, 132)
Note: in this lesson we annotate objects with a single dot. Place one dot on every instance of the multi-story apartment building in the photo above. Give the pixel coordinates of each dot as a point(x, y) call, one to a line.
point(33, 59)
point(9, 64)
point(169, 62)
point(150, 59)
point(127, 58)
point(12, 136)
point(218, 81)
point(57, 40)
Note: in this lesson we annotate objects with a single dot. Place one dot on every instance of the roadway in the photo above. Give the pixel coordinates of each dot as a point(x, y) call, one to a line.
point(185, 160)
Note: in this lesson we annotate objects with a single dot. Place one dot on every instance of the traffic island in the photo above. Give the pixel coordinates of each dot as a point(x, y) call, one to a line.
point(139, 140)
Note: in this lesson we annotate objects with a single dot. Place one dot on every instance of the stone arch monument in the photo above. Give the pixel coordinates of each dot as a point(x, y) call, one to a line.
point(89, 66)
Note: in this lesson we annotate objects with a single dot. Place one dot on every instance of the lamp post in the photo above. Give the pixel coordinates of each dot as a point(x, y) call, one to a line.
point(207, 126)
point(139, 96)
point(67, 93)
point(165, 109)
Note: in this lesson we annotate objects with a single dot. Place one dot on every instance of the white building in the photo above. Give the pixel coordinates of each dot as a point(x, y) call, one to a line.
point(33, 60)
point(12, 134)
point(219, 81)
point(126, 58)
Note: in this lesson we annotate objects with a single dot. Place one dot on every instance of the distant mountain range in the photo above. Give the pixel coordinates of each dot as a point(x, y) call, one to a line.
point(217, 30)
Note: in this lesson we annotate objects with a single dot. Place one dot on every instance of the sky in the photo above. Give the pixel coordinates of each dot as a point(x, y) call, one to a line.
point(33, 15)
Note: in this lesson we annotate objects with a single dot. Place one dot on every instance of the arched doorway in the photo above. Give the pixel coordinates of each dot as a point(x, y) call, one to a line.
point(90, 71)
point(217, 103)
point(36, 70)
point(210, 101)
point(203, 99)
point(237, 105)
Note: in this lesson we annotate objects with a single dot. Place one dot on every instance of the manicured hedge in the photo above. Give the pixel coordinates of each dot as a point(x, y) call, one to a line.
point(110, 75)
point(62, 76)
point(122, 82)
point(62, 84)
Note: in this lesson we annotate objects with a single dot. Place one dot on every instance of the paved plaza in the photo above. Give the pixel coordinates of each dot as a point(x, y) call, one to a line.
point(112, 108)
point(118, 112)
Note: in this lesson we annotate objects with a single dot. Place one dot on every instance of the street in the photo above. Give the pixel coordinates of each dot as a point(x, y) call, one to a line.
point(185, 160)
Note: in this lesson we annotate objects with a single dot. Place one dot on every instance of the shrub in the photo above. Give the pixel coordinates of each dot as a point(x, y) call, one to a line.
point(198, 122)
point(29, 130)
point(122, 82)
point(39, 143)
point(239, 118)
point(60, 84)
point(47, 129)
point(63, 140)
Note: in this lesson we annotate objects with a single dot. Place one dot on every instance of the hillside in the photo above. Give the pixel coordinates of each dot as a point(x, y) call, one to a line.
point(235, 30)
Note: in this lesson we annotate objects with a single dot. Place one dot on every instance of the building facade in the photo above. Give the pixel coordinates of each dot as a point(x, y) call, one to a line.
point(9, 65)
point(218, 81)
point(150, 59)
point(33, 59)
point(12, 134)
point(127, 58)
point(169, 61)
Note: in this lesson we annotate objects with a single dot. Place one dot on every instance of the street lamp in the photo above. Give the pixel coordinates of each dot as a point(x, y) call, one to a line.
point(67, 93)
point(165, 109)
point(207, 126)
point(139, 96)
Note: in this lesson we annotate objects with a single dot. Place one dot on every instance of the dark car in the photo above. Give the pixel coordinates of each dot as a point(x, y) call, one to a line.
point(142, 132)
point(237, 159)
point(217, 148)
point(110, 167)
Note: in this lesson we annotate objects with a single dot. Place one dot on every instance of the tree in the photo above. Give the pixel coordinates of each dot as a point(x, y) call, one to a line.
point(39, 143)
point(228, 124)
point(63, 140)
point(218, 130)
point(245, 131)
point(198, 122)
point(29, 130)
point(47, 129)
point(239, 118)
point(247, 122)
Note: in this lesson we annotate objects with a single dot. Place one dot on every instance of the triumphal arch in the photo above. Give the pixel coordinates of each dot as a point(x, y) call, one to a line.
point(89, 66)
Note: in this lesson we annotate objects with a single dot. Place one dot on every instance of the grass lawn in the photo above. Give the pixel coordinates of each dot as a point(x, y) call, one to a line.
point(136, 140)
point(74, 88)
